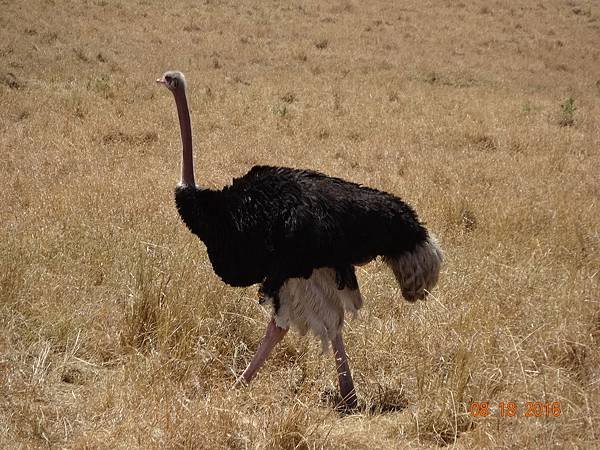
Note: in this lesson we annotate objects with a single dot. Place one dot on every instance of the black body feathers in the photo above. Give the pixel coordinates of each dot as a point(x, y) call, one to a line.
point(277, 223)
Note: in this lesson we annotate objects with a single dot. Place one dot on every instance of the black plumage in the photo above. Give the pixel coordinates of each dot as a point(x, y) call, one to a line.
point(276, 223)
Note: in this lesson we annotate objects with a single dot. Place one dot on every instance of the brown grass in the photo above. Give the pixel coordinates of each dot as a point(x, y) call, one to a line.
point(114, 331)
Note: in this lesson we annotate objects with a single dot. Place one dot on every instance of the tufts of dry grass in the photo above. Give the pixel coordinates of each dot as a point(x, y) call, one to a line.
point(114, 331)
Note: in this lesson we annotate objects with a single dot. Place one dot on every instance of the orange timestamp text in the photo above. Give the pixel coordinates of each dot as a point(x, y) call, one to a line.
point(512, 409)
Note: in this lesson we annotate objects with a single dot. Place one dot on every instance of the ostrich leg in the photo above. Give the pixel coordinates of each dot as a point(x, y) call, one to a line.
point(343, 369)
point(273, 335)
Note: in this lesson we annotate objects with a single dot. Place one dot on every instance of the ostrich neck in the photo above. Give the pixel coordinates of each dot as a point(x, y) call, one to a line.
point(187, 158)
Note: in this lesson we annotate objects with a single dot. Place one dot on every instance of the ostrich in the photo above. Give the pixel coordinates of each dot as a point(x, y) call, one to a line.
point(299, 234)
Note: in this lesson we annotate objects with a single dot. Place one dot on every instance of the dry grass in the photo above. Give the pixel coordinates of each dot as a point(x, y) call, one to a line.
point(114, 332)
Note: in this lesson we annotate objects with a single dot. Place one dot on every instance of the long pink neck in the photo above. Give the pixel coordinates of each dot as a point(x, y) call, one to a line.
point(187, 158)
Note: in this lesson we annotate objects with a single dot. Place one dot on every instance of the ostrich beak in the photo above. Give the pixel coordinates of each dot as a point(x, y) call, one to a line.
point(160, 80)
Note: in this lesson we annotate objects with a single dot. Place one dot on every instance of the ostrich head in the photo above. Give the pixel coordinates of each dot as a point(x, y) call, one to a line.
point(173, 80)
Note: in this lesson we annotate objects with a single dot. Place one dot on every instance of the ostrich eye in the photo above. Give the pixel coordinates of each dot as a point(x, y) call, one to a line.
point(175, 82)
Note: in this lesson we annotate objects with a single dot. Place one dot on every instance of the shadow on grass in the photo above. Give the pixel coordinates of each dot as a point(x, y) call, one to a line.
point(384, 401)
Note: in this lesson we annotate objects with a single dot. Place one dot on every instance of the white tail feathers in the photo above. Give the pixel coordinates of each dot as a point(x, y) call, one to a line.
point(417, 272)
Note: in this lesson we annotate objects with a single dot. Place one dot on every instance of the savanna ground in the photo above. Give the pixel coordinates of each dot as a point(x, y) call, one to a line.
point(114, 331)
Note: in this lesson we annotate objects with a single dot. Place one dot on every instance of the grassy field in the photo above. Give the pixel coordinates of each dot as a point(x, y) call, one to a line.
point(114, 331)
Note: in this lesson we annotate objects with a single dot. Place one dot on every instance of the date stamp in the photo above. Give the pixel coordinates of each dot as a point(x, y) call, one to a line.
point(514, 409)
